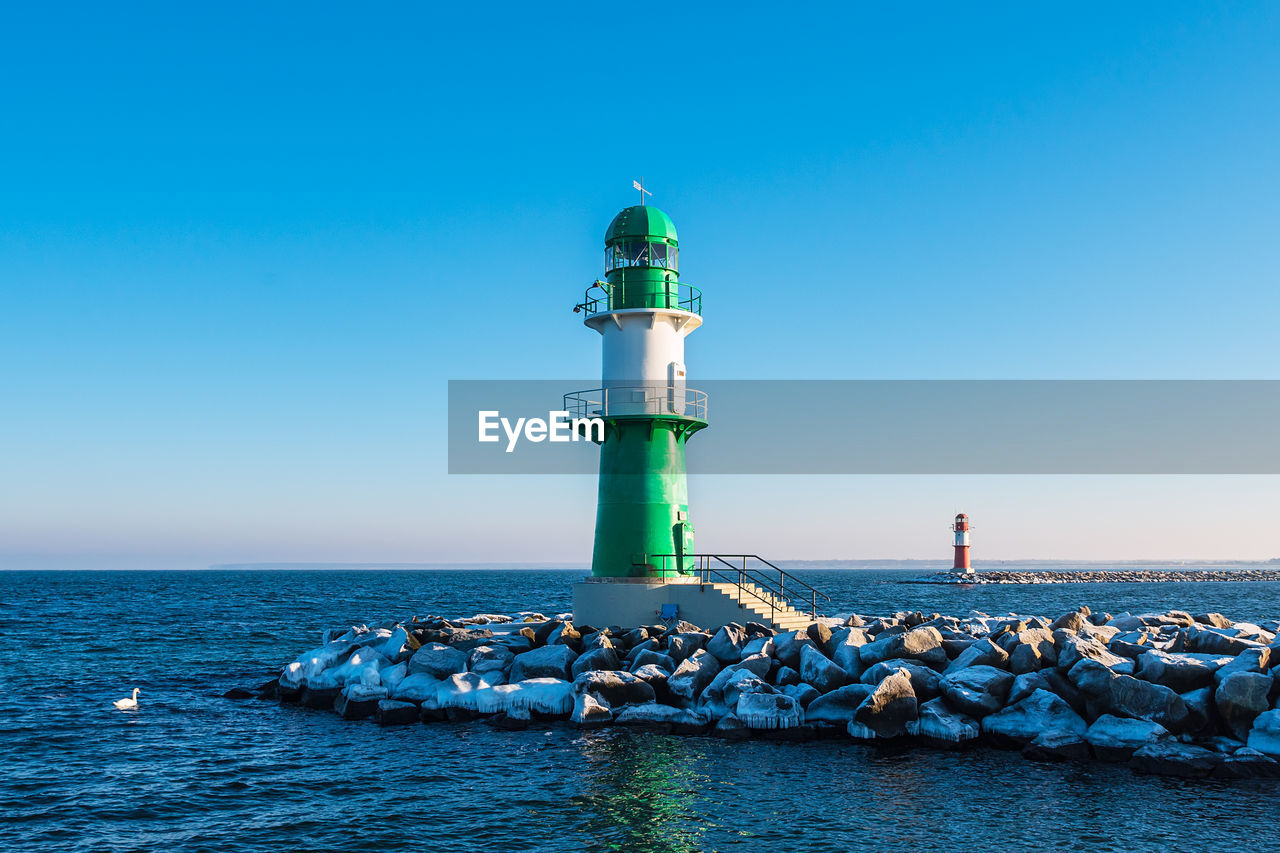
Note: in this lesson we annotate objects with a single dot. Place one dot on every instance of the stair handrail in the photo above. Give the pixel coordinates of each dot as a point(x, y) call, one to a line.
point(757, 576)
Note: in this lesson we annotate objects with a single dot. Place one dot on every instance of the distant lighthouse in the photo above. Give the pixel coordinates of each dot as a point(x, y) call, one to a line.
point(961, 563)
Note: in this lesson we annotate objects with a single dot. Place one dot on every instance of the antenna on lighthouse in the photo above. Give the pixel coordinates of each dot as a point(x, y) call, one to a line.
point(640, 186)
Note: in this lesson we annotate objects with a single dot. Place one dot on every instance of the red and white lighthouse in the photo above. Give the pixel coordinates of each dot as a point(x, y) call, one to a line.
point(961, 527)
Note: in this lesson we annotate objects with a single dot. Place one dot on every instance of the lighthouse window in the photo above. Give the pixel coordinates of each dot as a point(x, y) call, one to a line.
point(658, 254)
point(638, 254)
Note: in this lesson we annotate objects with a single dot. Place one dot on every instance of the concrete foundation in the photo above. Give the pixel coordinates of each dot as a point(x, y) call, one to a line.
point(638, 601)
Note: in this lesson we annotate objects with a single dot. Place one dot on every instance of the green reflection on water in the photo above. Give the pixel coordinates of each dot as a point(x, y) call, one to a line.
point(642, 791)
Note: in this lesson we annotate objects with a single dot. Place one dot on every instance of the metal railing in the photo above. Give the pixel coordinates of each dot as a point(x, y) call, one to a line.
point(656, 400)
point(674, 295)
point(772, 581)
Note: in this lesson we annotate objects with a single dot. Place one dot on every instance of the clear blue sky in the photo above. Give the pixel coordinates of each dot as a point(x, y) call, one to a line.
point(242, 250)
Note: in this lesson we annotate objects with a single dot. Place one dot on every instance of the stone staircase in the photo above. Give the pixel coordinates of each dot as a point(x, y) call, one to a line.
point(759, 605)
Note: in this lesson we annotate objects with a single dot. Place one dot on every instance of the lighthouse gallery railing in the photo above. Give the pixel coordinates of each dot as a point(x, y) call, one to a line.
point(676, 296)
point(656, 400)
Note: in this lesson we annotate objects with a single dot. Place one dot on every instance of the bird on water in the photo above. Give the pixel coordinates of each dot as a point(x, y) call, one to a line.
point(127, 704)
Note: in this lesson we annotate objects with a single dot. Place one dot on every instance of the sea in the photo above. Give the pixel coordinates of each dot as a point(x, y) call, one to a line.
point(192, 771)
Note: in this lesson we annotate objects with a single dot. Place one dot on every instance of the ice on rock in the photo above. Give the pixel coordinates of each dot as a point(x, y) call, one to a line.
point(454, 691)
point(653, 714)
point(416, 687)
point(363, 666)
point(541, 695)
point(396, 643)
point(937, 722)
point(393, 675)
point(769, 711)
point(589, 711)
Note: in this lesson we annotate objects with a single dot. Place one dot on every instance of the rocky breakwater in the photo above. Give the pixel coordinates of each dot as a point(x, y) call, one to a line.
point(1168, 693)
point(996, 576)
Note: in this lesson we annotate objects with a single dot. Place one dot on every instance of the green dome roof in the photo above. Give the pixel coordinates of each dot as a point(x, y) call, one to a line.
point(642, 220)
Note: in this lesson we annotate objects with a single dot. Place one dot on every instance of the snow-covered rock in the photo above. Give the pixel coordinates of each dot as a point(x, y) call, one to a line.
point(817, 670)
point(891, 705)
point(977, 690)
point(938, 724)
point(1118, 738)
point(1179, 672)
point(693, 675)
point(546, 662)
point(615, 688)
point(662, 718)
point(768, 711)
point(1171, 758)
point(357, 701)
point(416, 687)
point(437, 660)
point(1265, 734)
point(391, 712)
point(1241, 697)
point(1042, 711)
point(589, 712)
point(981, 652)
point(727, 644)
point(924, 681)
point(838, 706)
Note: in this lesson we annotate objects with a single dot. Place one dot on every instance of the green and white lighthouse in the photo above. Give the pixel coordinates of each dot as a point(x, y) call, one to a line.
point(643, 314)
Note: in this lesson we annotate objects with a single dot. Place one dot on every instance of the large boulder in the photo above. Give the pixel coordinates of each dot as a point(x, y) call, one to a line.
point(656, 677)
point(728, 643)
point(681, 646)
point(1057, 746)
point(1031, 650)
point(805, 694)
point(1026, 684)
point(1265, 734)
point(595, 659)
point(662, 718)
point(918, 644)
point(769, 711)
point(1178, 672)
point(546, 662)
point(816, 670)
point(1216, 641)
point(787, 647)
point(938, 724)
point(891, 705)
point(758, 646)
point(1240, 698)
point(1250, 660)
point(1020, 724)
point(977, 690)
point(649, 657)
point(981, 652)
point(358, 701)
point(391, 712)
point(1126, 696)
point(847, 651)
point(730, 727)
point(417, 687)
point(614, 688)
point(1171, 758)
point(590, 713)
point(838, 706)
point(693, 675)
point(924, 681)
point(486, 659)
point(1072, 648)
point(438, 660)
point(1118, 738)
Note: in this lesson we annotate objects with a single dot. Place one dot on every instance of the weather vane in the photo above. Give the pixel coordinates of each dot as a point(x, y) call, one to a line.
point(640, 186)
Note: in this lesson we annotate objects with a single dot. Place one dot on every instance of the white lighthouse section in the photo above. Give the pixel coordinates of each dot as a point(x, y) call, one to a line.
point(643, 365)
point(962, 538)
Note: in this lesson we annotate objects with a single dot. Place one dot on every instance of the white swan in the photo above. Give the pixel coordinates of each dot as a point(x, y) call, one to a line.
point(126, 704)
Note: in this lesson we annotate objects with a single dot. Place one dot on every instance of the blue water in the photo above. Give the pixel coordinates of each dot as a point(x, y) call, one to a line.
point(193, 771)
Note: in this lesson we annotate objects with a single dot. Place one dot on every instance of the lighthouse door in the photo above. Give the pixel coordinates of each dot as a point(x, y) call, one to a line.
point(675, 387)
